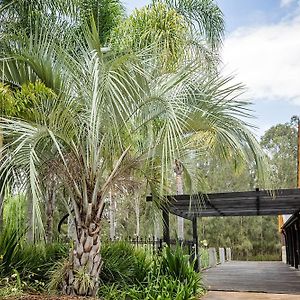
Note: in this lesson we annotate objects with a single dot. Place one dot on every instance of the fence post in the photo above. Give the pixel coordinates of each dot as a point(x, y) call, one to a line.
point(166, 224)
point(196, 245)
point(212, 257)
point(228, 254)
point(160, 246)
point(222, 255)
point(283, 254)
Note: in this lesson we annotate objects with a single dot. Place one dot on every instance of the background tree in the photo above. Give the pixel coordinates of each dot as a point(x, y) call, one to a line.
point(259, 237)
point(178, 30)
point(280, 142)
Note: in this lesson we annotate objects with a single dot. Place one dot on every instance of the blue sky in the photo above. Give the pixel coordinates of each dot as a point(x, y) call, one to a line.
point(262, 48)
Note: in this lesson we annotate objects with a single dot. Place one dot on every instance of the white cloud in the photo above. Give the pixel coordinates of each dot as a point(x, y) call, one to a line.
point(267, 59)
point(284, 3)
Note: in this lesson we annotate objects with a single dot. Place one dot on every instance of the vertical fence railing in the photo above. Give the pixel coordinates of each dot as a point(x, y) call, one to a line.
point(208, 257)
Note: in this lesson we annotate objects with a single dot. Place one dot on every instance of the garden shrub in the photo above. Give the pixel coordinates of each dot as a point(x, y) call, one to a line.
point(170, 276)
point(122, 262)
point(26, 266)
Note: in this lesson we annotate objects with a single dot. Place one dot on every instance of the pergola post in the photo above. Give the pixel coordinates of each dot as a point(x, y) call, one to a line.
point(196, 244)
point(166, 225)
point(297, 244)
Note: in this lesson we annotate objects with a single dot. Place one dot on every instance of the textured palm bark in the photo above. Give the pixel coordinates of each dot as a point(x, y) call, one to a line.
point(83, 278)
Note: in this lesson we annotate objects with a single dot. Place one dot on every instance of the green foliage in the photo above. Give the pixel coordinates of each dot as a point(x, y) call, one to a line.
point(24, 265)
point(107, 14)
point(204, 255)
point(68, 16)
point(205, 18)
point(58, 271)
point(9, 246)
point(176, 264)
point(169, 276)
point(252, 236)
point(20, 102)
point(11, 285)
point(7, 105)
point(154, 26)
point(124, 263)
point(14, 212)
point(280, 142)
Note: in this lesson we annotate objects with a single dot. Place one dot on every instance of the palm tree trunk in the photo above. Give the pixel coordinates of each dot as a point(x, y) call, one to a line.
point(178, 169)
point(83, 277)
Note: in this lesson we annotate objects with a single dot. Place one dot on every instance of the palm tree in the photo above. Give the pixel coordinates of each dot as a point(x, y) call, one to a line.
point(63, 17)
point(180, 31)
point(20, 15)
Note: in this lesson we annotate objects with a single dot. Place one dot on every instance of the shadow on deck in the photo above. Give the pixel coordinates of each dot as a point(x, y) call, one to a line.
point(242, 276)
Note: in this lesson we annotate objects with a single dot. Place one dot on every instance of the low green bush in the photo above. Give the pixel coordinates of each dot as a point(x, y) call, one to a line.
point(123, 263)
point(170, 276)
point(265, 257)
point(29, 263)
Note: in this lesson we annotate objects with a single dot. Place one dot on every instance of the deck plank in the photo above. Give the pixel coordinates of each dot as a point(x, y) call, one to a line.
point(266, 277)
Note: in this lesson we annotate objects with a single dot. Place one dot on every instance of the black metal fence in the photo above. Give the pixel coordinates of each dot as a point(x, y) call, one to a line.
point(155, 245)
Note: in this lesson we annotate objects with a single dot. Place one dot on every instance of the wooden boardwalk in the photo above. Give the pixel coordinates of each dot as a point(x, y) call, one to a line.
point(265, 277)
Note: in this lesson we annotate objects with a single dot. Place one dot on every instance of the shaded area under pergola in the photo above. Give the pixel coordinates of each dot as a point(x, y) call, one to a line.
point(249, 203)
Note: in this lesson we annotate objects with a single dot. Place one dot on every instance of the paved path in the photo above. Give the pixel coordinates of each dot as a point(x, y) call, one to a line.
point(248, 296)
point(266, 277)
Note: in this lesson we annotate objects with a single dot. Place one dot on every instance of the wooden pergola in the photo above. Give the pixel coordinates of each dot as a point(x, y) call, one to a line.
point(250, 203)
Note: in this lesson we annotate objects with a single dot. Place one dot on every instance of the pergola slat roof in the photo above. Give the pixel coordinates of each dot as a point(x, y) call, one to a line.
point(250, 203)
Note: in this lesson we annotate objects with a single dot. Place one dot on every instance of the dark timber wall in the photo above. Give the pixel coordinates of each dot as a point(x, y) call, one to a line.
point(291, 232)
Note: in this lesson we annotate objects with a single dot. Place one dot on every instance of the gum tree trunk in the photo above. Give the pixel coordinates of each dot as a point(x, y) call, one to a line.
point(50, 205)
point(137, 214)
point(178, 169)
point(112, 216)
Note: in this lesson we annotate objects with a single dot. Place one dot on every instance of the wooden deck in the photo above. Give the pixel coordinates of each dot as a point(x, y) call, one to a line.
point(266, 277)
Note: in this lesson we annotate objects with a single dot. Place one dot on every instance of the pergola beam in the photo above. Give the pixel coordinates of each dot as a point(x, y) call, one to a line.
point(250, 203)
